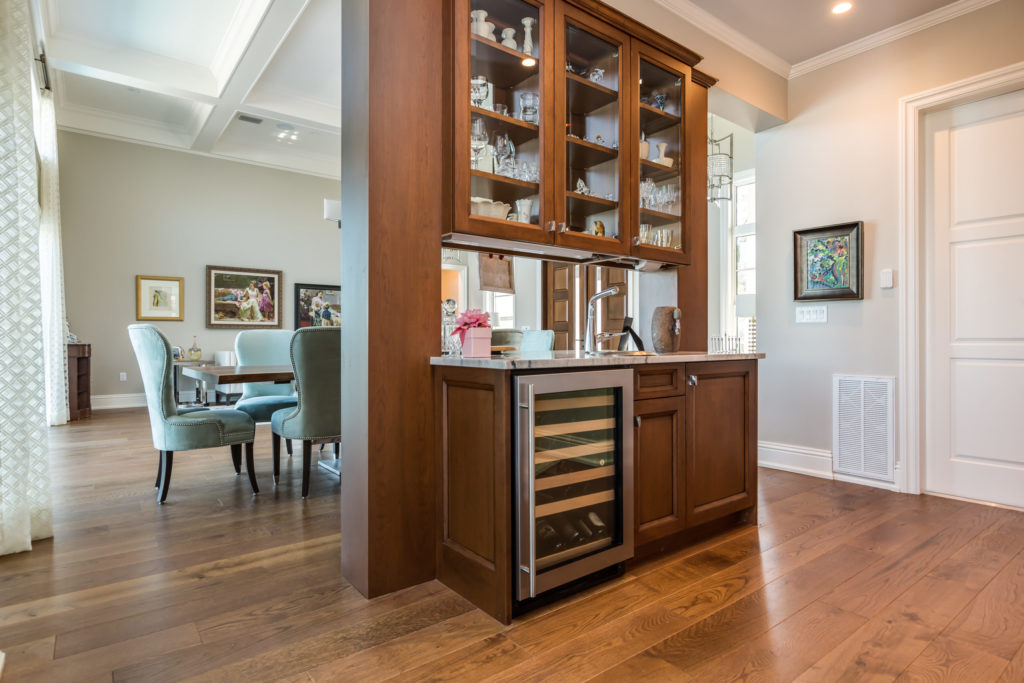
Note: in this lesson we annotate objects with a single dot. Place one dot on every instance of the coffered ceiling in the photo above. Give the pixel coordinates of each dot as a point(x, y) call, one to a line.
point(257, 81)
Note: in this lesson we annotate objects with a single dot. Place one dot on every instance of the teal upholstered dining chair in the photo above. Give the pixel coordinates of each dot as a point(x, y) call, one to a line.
point(260, 400)
point(191, 428)
point(316, 361)
point(537, 340)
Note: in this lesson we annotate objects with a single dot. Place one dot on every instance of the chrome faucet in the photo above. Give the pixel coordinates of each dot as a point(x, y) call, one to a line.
point(588, 336)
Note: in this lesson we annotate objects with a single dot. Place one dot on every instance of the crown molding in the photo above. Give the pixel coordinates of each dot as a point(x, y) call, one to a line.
point(716, 28)
point(893, 33)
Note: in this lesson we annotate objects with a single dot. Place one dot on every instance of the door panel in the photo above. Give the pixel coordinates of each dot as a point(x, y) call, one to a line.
point(659, 467)
point(974, 308)
point(560, 306)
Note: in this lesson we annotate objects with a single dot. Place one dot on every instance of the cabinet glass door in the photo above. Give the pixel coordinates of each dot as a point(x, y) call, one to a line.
point(593, 126)
point(500, 121)
point(575, 461)
point(659, 232)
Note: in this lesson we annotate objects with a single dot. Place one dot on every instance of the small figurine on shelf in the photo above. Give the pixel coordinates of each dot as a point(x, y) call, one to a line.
point(662, 159)
point(660, 99)
point(598, 228)
point(508, 38)
point(478, 21)
point(596, 75)
point(581, 187)
point(528, 23)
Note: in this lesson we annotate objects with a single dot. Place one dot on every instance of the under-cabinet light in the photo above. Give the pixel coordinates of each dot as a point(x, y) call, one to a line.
point(529, 61)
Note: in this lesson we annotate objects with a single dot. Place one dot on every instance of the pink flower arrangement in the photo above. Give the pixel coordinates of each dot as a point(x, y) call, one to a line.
point(471, 318)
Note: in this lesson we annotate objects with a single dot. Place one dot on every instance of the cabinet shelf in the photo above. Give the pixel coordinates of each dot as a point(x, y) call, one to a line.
point(502, 65)
point(519, 131)
point(653, 119)
point(657, 218)
point(501, 188)
point(585, 549)
point(584, 96)
point(657, 172)
point(575, 477)
point(586, 154)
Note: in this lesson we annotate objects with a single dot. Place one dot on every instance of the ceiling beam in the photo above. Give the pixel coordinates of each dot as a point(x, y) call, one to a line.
point(269, 35)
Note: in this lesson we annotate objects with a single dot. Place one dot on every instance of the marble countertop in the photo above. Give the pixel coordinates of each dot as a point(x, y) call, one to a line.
point(576, 359)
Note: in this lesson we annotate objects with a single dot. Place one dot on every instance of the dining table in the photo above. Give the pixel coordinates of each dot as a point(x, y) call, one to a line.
point(212, 375)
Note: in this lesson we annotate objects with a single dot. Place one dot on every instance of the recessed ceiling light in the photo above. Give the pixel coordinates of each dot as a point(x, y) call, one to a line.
point(842, 8)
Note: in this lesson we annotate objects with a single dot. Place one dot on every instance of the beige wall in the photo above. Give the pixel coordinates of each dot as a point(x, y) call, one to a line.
point(129, 209)
point(836, 161)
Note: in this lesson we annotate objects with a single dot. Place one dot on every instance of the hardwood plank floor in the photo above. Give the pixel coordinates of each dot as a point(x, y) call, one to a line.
point(837, 582)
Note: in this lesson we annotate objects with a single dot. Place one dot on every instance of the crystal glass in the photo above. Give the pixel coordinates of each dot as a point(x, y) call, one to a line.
point(504, 155)
point(477, 141)
point(529, 107)
point(478, 90)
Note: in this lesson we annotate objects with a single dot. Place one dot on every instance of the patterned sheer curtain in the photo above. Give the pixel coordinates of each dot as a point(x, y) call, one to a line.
point(25, 506)
point(51, 261)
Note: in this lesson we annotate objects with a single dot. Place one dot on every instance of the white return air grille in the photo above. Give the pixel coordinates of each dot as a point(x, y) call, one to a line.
point(862, 426)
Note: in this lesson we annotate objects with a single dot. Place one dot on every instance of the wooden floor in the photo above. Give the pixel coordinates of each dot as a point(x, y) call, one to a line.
point(839, 582)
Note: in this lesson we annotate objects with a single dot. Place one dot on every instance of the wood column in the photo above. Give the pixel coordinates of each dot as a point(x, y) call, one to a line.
point(393, 116)
point(693, 279)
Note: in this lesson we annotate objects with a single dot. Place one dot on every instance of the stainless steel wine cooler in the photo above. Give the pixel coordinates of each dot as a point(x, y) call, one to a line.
point(574, 463)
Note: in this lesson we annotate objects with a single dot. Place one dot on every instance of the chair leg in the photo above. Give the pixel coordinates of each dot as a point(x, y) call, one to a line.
point(307, 457)
point(275, 443)
point(236, 457)
point(166, 460)
point(288, 446)
point(250, 467)
point(337, 449)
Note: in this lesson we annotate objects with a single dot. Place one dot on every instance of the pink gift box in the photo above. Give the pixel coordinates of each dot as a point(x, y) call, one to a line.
point(477, 343)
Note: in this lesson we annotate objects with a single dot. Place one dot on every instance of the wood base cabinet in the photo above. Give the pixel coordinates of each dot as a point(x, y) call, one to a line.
point(659, 467)
point(721, 439)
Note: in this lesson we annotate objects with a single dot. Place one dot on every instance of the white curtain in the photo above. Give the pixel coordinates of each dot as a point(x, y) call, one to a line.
point(51, 262)
point(25, 507)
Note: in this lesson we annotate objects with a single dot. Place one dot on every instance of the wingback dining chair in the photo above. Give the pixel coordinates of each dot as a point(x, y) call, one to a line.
point(537, 340)
point(190, 428)
point(316, 362)
point(260, 400)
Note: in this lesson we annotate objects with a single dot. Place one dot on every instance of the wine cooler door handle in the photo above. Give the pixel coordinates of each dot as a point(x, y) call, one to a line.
point(528, 513)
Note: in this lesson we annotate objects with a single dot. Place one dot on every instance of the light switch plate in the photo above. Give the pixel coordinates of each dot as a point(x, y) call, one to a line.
point(886, 279)
point(816, 313)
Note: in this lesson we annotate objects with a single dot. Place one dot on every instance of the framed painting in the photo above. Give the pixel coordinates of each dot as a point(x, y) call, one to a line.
point(497, 274)
point(317, 306)
point(243, 298)
point(828, 262)
point(159, 298)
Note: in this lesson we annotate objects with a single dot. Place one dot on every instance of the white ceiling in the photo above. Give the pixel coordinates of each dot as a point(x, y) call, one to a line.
point(178, 73)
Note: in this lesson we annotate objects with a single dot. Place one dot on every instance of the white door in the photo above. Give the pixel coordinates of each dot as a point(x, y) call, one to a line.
point(974, 256)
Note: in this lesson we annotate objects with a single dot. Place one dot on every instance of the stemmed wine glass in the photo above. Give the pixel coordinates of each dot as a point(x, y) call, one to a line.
point(504, 154)
point(478, 90)
point(477, 141)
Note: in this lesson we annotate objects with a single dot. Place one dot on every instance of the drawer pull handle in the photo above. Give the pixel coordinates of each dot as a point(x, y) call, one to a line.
point(692, 381)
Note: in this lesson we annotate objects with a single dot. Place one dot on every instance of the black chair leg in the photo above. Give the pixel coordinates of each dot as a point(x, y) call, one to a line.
point(288, 446)
point(236, 457)
point(275, 443)
point(250, 467)
point(337, 449)
point(166, 460)
point(307, 457)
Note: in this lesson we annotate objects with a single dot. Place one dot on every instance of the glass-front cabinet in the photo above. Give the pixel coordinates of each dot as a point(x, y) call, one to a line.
point(659, 230)
point(568, 131)
point(591, 173)
point(501, 127)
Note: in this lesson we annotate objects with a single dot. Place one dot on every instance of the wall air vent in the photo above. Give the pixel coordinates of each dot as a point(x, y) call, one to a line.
point(249, 119)
point(862, 427)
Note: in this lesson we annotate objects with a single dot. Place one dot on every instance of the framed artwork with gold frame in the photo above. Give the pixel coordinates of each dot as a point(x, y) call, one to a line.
point(159, 298)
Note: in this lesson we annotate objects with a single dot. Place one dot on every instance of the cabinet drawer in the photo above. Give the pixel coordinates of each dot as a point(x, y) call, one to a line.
point(658, 381)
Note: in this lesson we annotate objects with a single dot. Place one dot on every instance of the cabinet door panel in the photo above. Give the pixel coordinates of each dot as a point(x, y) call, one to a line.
point(659, 467)
point(721, 466)
point(503, 115)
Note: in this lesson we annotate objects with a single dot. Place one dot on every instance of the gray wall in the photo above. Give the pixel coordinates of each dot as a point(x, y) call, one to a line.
point(130, 209)
point(837, 161)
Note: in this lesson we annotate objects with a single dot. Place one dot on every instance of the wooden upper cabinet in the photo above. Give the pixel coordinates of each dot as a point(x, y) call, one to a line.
point(721, 439)
point(658, 119)
point(558, 142)
point(503, 112)
point(591, 174)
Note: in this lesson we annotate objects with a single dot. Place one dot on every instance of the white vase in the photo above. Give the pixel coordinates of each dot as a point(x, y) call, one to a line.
point(478, 20)
point(508, 38)
point(528, 23)
point(524, 210)
point(662, 159)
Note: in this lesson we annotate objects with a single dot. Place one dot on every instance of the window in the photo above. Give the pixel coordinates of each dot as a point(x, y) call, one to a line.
point(502, 308)
point(740, 259)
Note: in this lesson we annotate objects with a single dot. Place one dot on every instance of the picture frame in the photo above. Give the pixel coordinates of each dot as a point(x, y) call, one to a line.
point(310, 303)
point(243, 298)
point(158, 297)
point(828, 262)
point(497, 274)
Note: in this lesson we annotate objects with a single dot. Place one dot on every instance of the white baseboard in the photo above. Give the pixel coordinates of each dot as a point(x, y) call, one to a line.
point(798, 459)
point(112, 401)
